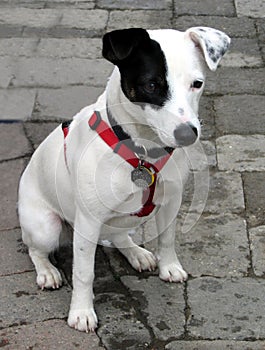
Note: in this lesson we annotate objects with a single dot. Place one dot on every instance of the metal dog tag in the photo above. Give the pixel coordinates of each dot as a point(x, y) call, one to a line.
point(142, 176)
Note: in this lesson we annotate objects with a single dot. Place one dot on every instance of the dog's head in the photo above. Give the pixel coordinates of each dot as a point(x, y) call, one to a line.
point(163, 71)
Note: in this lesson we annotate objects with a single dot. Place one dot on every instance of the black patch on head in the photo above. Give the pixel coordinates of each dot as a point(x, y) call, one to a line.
point(142, 65)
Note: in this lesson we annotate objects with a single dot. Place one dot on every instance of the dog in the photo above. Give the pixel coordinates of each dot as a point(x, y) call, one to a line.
point(120, 161)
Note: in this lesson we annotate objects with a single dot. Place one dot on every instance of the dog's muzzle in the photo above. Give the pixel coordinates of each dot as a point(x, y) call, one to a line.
point(185, 134)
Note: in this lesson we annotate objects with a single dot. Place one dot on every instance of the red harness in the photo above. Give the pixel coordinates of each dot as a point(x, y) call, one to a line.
point(109, 137)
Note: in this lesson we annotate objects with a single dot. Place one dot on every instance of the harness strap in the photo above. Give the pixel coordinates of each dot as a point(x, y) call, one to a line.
point(107, 134)
point(65, 128)
point(110, 138)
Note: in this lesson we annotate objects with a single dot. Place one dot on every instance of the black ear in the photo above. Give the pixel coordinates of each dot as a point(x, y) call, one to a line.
point(119, 44)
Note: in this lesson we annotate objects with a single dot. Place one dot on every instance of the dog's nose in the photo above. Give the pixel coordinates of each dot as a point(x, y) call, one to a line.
point(185, 134)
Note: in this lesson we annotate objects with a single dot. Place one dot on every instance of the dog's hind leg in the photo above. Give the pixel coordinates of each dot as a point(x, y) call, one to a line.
point(40, 232)
point(140, 258)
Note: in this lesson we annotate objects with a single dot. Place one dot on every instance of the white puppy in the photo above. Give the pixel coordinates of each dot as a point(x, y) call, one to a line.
point(111, 170)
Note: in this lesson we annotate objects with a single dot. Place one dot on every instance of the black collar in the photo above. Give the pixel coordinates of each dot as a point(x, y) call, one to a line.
point(155, 152)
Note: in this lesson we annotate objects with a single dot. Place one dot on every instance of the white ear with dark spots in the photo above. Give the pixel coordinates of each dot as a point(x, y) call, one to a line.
point(212, 42)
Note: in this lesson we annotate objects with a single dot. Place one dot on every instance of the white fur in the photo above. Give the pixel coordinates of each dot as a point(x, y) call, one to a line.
point(93, 191)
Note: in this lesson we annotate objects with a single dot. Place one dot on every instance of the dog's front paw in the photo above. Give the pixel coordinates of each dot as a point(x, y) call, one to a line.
point(84, 320)
point(49, 277)
point(172, 272)
point(141, 259)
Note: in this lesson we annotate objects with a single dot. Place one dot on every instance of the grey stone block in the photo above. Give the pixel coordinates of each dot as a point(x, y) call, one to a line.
point(210, 152)
point(13, 253)
point(215, 345)
point(215, 245)
point(254, 8)
point(149, 19)
point(9, 173)
point(120, 327)
point(235, 27)
point(254, 184)
point(163, 303)
point(227, 309)
point(88, 48)
point(244, 114)
point(201, 156)
point(40, 4)
point(37, 132)
point(16, 104)
point(134, 5)
point(6, 74)
point(225, 193)
point(206, 116)
point(244, 52)
point(52, 335)
point(64, 103)
point(261, 35)
point(226, 81)
point(47, 72)
point(13, 141)
point(257, 246)
point(23, 302)
point(241, 153)
point(206, 7)
point(94, 20)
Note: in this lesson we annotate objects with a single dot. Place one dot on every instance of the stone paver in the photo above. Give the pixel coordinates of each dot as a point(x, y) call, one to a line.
point(9, 173)
point(145, 19)
point(244, 53)
point(9, 133)
point(240, 114)
point(252, 81)
point(233, 309)
point(242, 27)
point(63, 103)
point(22, 302)
point(47, 72)
point(136, 4)
point(253, 8)
point(215, 345)
point(241, 153)
point(207, 7)
point(160, 307)
point(39, 21)
point(254, 184)
point(52, 335)
point(41, 4)
point(89, 48)
point(50, 67)
point(207, 116)
point(36, 132)
point(16, 104)
point(257, 246)
point(216, 245)
point(120, 326)
point(225, 193)
point(13, 253)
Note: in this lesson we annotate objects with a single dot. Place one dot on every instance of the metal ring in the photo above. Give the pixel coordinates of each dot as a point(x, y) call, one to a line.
point(145, 153)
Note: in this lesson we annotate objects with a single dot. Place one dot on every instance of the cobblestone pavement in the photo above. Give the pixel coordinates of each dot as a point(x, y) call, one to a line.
point(50, 67)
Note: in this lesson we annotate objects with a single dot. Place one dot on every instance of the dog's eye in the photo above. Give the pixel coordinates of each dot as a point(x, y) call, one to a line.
point(197, 84)
point(150, 87)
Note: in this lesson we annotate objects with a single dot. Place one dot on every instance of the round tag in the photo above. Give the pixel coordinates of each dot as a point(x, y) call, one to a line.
point(142, 177)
